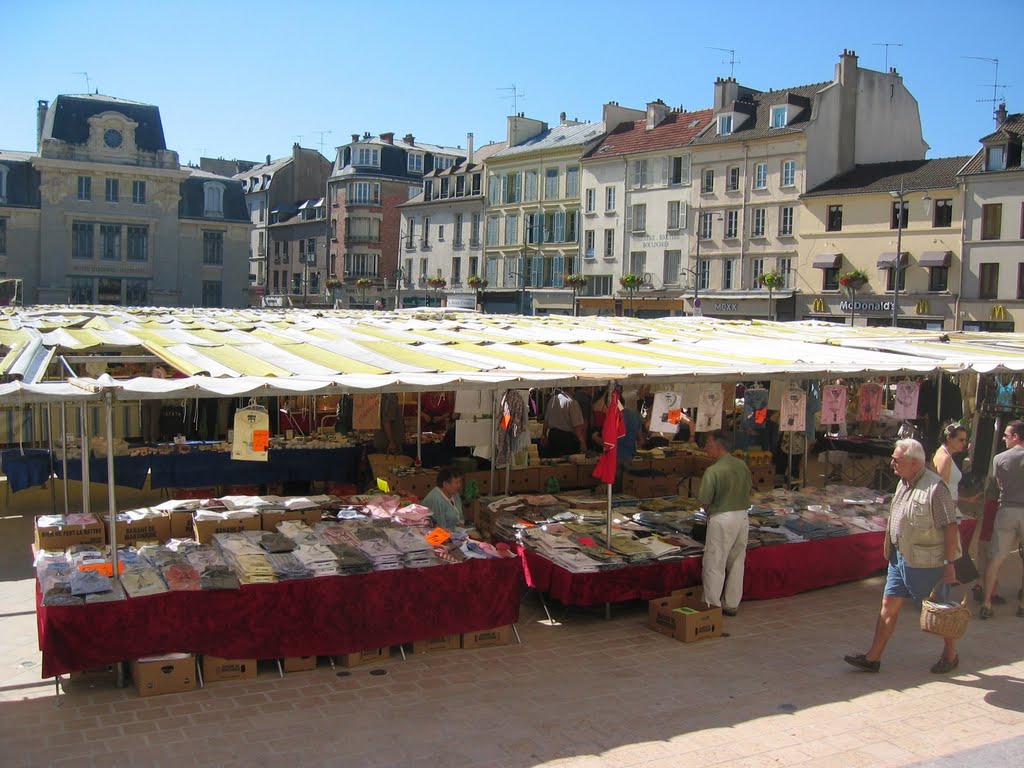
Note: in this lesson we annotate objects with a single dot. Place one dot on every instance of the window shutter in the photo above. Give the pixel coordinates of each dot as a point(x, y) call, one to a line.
point(504, 190)
point(629, 218)
point(560, 227)
point(537, 271)
point(558, 271)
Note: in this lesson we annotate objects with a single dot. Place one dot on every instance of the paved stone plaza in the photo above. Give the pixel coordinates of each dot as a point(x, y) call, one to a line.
point(585, 693)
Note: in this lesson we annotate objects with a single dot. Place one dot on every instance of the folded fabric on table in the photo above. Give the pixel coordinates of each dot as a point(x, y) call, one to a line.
point(142, 580)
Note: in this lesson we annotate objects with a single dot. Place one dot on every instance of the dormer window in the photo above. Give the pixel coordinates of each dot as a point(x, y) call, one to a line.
point(213, 199)
point(995, 158)
point(724, 125)
point(415, 160)
point(367, 156)
point(780, 116)
point(428, 190)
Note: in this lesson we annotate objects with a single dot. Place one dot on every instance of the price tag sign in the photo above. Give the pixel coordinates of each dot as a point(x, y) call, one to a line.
point(382, 485)
point(437, 537)
point(260, 439)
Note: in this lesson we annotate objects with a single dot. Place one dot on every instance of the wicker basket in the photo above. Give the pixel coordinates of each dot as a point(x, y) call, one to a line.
point(948, 620)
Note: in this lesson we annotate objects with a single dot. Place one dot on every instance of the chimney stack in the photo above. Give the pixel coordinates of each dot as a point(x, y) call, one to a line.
point(409, 139)
point(469, 148)
point(657, 111)
point(1001, 114)
point(268, 159)
point(41, 108)
point(355, 137)
point(388, 138)
point(561, 117)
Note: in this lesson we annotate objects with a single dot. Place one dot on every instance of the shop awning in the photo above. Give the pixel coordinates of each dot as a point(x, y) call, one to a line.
point(887, 260)
point(827, 260)
point(935, 259)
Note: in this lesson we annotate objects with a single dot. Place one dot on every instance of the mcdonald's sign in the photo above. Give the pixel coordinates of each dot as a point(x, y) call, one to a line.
point(819, 306)
point(999, 312)
point(923, 307)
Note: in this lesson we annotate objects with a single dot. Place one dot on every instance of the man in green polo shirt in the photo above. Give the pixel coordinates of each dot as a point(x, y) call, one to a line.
point(725, 494)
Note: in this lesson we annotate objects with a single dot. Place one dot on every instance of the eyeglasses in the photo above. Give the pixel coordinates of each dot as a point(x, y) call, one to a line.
point(895, 459)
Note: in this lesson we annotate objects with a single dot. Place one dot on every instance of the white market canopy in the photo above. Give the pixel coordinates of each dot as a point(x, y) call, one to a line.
point(261, 352)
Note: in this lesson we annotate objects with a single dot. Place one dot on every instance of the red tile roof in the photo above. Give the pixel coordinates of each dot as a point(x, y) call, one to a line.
point(677, 130)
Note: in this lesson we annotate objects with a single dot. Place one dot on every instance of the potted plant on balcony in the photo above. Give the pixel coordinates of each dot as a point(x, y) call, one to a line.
point(437, 283)
point(363, 284)
point(577, 283)
point(333, 283)
point(771, 281)
point(631, 282)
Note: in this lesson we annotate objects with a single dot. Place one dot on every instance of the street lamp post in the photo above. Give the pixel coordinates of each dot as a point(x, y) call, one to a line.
point(399, 277)
point(897, 195)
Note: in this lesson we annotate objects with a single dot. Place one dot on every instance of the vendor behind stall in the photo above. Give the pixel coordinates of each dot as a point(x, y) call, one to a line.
point(390, 437)
point(445, 500)
point(564, 426)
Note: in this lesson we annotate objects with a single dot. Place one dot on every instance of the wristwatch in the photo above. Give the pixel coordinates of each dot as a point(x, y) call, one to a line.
point(947, 562)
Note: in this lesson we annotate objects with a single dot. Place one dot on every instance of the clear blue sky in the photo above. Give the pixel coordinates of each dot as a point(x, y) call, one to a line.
point(244, 80)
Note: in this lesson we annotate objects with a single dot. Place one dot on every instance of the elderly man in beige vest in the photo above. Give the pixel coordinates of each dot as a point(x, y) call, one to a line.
point(921, 543)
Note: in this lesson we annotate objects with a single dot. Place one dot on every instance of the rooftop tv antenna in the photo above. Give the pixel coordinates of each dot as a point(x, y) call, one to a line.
point(515, 94)
point(299, 137)
point(88, 86)
point(887, 46)
point(321, 142)
point(996, 85)
point(732, 62)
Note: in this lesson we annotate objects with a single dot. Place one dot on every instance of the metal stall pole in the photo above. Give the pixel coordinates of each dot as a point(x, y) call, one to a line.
point(108, 399)
point(419, 430)
point(64, 450)
point(86, 487)
point(494, 424)
point(49, 452)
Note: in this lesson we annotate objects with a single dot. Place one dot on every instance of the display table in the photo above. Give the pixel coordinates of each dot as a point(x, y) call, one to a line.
point(310, 617)
point(199, 469)
point(770, 571)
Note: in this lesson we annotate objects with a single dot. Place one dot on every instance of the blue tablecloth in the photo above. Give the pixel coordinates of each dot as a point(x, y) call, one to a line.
point(25, 470)
point(200, 469)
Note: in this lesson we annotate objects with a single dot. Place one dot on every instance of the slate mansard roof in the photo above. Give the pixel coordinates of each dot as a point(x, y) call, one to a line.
point(873, 178)
point(67, 119)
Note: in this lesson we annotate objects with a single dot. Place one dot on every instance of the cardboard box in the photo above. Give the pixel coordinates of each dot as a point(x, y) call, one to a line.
point(363, 657)
point(181, 524)
point(216, 669)
point(763, 477)
point(59, 538)
point(205, 529)
point(525, 480)
point(104, 674)
point(649, 486)
point(487, 638)
point(155, 675)
point(585, 475)
point(270, 518)
point(146, 530)
point(684, 616)
point(445, 643)
point(483, 481)
point(299, 663)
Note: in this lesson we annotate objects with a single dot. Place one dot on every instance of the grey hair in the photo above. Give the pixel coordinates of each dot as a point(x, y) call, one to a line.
point(912, 449)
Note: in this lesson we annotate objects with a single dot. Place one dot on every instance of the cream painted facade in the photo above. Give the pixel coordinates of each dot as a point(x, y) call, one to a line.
point(928, 296)
point(105, 214)
point(604, 244)
point(532, 219)
point(751, 213)
point(993, 281)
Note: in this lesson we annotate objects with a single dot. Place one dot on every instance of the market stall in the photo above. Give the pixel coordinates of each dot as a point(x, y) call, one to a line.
point(324, 616)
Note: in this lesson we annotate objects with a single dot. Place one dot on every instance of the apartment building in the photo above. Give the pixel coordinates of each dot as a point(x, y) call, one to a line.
point(636, 211)
point(901, 225)
point(442, 233)
point(532, 225)
point(371, 178)
point(759, 154)
point(992, 295)
point(274, 191)
point(103, 213)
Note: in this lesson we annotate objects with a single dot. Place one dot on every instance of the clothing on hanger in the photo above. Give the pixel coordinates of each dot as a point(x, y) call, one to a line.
point(907, 393)
point(833, 404)
point(869, 401)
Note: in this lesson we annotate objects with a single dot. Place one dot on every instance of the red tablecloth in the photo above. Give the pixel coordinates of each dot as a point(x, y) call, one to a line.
point(772, 571)
point(323, 616)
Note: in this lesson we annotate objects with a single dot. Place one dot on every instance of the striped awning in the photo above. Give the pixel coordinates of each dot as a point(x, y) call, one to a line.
point(935, 259)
